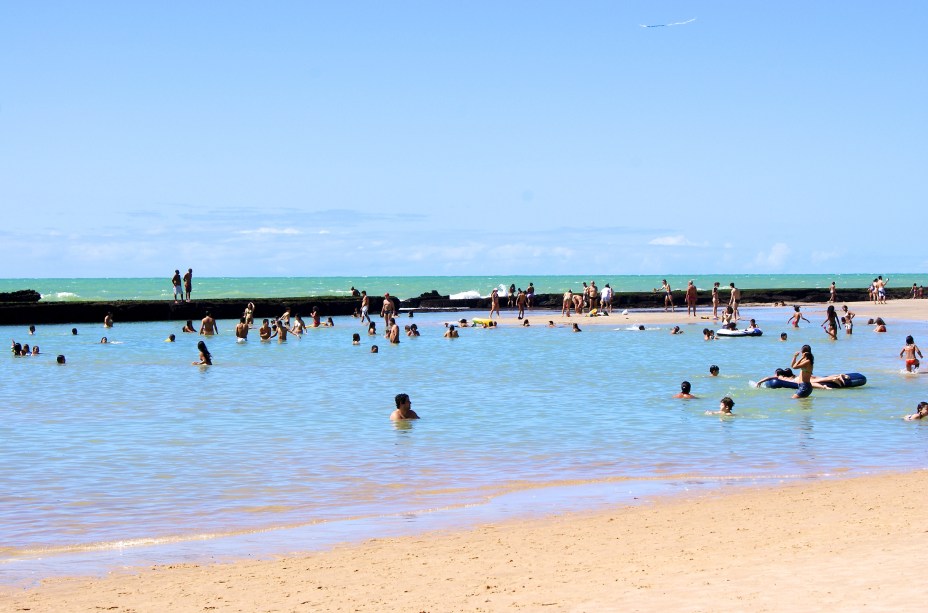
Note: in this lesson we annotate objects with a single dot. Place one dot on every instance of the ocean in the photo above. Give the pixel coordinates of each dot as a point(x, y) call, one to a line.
point(128, 455)
point(407, 287)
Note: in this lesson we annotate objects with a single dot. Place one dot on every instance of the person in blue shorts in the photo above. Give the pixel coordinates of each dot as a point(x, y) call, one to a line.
point(803, 360)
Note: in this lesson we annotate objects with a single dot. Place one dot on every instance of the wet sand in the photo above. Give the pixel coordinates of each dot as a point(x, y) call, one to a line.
point(846, 544)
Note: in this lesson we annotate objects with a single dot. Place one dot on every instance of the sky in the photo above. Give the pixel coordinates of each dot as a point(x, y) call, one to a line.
point(457, 138)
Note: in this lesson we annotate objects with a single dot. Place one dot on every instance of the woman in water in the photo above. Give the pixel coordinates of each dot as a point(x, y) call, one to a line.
point(206, 358)
point(804, 361)
point(831, 322)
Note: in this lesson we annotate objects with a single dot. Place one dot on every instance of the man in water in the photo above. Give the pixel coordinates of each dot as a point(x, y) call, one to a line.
point(188, 283)
point(387, 309)
point(241, 329)
point(208, 325)
point(403, 409)
point(684, 391)
point(393, 333)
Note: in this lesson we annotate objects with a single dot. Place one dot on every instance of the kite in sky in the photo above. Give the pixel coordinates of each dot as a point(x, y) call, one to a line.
point(667, 25)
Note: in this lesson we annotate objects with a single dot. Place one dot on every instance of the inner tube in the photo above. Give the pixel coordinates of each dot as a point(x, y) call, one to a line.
point(737, 333)
point(850, 379)
point(778, 383)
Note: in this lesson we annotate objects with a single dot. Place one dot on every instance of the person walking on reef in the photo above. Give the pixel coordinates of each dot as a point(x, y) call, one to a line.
point(188, 283)
point(178, 288)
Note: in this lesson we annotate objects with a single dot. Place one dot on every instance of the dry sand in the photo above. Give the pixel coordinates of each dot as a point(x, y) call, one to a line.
point(841, 545)
point(894, 310)
point(838, 545)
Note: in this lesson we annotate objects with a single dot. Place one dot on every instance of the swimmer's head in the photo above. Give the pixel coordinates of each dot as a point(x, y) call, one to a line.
point(796, 308)
point(641, 327)
point(171, 338)
point(31, 329)
point(714, 370)
point(374, 349)
point(782, 336)
point(726, 404)
point(74, 331)
point(909, 340)
point(685, 387)
point(60, 359)
point(104, 340)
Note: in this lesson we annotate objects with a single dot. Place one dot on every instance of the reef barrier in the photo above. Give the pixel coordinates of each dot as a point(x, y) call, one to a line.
point(38, 312)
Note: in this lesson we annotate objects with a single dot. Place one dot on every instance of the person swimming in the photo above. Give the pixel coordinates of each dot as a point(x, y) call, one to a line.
point(685, 388)
point(921, 412)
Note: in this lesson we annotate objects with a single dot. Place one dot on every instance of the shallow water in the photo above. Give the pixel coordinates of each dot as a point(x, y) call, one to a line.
point(130, 445)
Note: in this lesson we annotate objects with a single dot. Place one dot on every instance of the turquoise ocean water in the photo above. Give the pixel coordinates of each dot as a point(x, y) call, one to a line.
point(406, 287)
point(129, 455)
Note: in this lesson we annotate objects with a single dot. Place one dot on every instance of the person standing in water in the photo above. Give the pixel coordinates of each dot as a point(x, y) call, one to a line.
point(208, 325)
point(403, 409)
point(804, 361)
point(797, 315)
point(206, 358)
point(908, 354)
point(831, 322)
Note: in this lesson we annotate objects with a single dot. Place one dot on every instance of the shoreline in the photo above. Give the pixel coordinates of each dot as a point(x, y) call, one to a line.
point(841, 543)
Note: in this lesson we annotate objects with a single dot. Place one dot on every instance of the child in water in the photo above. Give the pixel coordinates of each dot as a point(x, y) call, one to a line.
point(796, 317)
point(726, 405)
point(908, 354)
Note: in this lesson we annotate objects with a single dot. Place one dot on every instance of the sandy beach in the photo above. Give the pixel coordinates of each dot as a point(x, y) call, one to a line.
point(892, 310)
point(841, 544)
point(848, 544)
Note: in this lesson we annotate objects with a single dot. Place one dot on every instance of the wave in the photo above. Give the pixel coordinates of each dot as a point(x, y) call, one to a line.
point(60, 296)
point(468, 295)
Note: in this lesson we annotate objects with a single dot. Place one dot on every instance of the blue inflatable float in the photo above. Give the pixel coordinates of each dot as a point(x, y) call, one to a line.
point(851, 379)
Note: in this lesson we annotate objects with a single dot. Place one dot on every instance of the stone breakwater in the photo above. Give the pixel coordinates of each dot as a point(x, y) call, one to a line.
point(13, 313)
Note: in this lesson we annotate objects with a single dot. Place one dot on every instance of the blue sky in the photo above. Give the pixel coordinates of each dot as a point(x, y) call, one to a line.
point(419, 138)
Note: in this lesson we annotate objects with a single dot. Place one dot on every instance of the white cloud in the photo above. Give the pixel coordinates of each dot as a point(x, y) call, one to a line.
point(271, 231)
point(675, 241)
point(775, 258)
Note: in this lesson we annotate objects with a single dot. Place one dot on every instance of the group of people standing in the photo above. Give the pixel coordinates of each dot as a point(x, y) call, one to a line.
point(183, 286)
point(590, 300)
